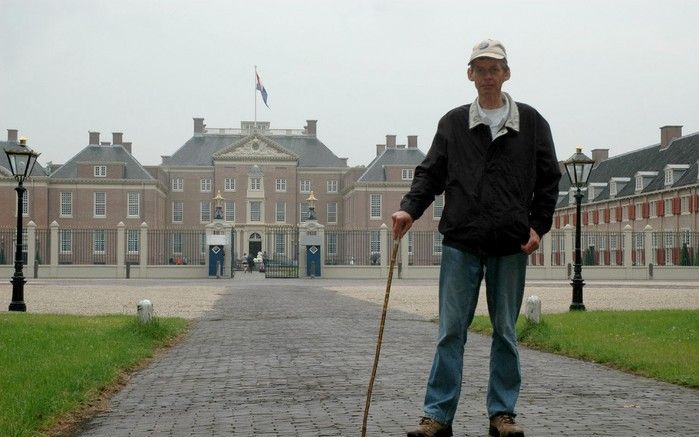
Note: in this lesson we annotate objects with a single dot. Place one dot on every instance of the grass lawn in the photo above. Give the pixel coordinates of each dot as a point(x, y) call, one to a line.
point(54, 365)
point(662, 344)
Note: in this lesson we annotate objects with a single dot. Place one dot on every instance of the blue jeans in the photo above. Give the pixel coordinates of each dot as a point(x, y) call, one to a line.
point(459, 283)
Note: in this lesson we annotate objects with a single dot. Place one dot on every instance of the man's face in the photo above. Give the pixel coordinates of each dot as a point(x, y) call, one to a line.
point(488, 75)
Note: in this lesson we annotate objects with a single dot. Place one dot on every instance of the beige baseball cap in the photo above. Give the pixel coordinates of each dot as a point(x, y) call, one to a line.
point(488, 48)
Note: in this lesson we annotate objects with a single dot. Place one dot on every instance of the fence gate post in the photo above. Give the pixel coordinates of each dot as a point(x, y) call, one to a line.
point(54, 248)
point(648, 245)
point(404, 255)
point(628, 250)
point(143, 252)
point(31, 246)
point(568, 243)
point(547, 244)
point(120, 255)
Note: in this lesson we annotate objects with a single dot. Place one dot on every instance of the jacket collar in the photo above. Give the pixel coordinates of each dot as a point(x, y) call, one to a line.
point(474, 117)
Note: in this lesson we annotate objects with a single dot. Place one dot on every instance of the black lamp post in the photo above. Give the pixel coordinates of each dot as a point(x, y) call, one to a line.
point(578, 168)
point(22, 160)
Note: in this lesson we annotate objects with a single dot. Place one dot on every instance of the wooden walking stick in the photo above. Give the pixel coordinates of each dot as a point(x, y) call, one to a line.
point(394, 253)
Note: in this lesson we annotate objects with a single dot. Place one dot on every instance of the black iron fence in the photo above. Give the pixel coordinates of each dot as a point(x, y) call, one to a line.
point(353, 247)
point(424, 248)
point(176, 247)
point(281, 252)
point(87, 246)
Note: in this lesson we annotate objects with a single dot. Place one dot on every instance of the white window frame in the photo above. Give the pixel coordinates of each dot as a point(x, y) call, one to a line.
point(66, 202)
point(99, 206)
point(375, 206)
point(133, 241)
point(205, 185)
point(374, 242)
point(229, 211)
point(304, 212)
point(612, 188)
point(652, 209)
point(255, 210)
point(332, 212)
point(684, 205)
point(99, 243)
point(331, 186)
point(279, 243)
point(229, 184)
point(255, 184)
point(407, 174)
point(133, 204)
point(25, 204)
point(639, 183)
point(280, 185)
point(625, 213)
point(305, 186)
point(205, 211)
point(65, 245)
point(668, 176)
point(177, 243)
point(667, 207)
point(99, 171)
point(177, 209)
point(669, 246)
point(438, 207)
point(177, 184)
point(331, 244)
point(436, 243)
point(639, 211)
point(280, 212)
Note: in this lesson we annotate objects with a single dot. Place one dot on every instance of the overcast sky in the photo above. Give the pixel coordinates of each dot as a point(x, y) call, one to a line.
point(605, 74)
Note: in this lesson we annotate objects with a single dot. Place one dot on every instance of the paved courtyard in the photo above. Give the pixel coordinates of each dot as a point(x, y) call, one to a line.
point(293, 357)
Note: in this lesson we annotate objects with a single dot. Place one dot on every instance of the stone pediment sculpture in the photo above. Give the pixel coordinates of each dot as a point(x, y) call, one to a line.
point(255, 147)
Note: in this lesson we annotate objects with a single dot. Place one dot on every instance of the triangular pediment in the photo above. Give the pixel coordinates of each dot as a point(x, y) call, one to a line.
point(255, 147)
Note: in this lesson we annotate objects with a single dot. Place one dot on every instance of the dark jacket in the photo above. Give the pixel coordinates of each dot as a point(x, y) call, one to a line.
point(493, 191)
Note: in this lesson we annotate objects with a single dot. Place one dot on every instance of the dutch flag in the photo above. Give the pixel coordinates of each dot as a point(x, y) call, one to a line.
point(261, 89)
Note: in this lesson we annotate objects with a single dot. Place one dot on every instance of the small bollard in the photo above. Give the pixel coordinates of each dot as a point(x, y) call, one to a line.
point(533, 309)
point(145, 311)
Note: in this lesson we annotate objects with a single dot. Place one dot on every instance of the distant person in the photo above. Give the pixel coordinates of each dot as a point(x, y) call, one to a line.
point(495, 162)
point(251, 263)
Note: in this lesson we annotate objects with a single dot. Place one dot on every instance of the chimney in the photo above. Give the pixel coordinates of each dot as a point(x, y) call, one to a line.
point(117, 138)
point(94, 138)
point(412, 141)
point(199, 125)
point(599, 155)
point(12, 135)
point(380, 148)
point(667, 134)
point(127, 146)
point(311, 126)
point(390, 141)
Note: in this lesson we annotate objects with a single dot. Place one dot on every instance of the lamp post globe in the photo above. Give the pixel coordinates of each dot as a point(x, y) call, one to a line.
point(21, 159)
point(578, 168)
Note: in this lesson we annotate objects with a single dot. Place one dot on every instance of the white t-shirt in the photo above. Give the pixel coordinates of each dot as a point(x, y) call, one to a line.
point(495, 118)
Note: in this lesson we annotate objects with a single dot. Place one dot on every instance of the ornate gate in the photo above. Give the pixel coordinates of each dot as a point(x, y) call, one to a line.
point(280, 251)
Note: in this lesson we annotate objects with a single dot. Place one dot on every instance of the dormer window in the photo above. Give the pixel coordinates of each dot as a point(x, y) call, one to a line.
point(673, 172)
point(407, 174)
point(643, 178)
point(668, 176)
point(100, 171)
point(616, 185)
point(639, 183)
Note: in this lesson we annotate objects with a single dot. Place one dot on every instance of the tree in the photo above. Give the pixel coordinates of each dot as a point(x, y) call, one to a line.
point(684, 256)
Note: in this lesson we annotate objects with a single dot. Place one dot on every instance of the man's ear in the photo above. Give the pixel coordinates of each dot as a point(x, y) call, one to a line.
point(507, 74)
point(469, 74)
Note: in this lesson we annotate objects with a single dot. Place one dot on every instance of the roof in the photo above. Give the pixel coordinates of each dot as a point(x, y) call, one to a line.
point(38, 170)
point(103, 154)
point(199, 149)
point(683, 150)
point(410, 157)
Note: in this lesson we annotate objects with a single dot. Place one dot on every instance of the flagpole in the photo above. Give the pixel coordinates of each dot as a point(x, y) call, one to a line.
point(255, 89)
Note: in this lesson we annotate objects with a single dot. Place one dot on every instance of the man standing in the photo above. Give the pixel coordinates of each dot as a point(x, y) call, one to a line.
point(495, 162)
